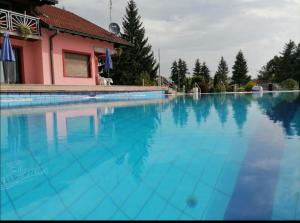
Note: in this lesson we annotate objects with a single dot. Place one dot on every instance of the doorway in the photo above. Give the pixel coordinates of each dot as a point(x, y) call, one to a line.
point(10, 72)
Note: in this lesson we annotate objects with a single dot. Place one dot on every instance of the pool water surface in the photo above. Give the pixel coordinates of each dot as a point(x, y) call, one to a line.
point(206, 157)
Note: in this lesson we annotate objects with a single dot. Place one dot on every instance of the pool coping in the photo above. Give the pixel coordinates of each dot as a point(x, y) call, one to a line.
point(27, 88)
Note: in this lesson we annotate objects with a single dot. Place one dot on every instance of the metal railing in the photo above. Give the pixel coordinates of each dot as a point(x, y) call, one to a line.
point(11, 21)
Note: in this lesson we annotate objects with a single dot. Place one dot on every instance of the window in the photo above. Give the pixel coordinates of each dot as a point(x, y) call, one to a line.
point(76, 65)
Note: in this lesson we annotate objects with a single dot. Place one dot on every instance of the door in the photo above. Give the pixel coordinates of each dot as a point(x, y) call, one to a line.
point(10, 72)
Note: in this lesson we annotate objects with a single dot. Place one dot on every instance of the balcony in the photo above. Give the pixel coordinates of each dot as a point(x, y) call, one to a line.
point(21, 25)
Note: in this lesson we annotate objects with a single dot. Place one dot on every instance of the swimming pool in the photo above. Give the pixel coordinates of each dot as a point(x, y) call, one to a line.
point(200, 157)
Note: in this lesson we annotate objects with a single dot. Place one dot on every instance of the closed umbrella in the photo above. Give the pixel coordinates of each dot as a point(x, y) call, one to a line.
point(7, 56)
point(108, 61)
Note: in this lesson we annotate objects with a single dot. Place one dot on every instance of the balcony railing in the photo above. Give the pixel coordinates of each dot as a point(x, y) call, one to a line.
point(11, 22)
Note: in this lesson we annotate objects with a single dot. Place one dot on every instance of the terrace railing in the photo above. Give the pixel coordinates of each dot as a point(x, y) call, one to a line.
point(11, 22)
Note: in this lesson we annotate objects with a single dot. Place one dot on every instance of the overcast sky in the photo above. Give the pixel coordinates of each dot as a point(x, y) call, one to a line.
point(206, 29)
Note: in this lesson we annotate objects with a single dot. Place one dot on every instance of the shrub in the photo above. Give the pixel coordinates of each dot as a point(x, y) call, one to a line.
point(241, 89)
point(250, 86)
point(289, 84)
point(220, 88)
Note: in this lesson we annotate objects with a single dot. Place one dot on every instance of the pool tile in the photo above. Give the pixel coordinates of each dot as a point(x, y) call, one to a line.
point(298, 212)
point(152, 208)
point(201, 197)
point(4, 198)
point(59, 164)
point(124, 189)
point(70, 191)
point(213, 170)
point(51, 207)
point(170, 213)
point(184, 191)
point(27, 184)
point(170, 183)
point(216, 207)
point(185, 217)
point(34, 199)
point(135, 202)
point(88, 201)
point(228, 177)
point(67, 176)
point(119, 216)
point(104, 211)
point(198, 164)
point(8, 212)
point(155, 175)
point(65, 215)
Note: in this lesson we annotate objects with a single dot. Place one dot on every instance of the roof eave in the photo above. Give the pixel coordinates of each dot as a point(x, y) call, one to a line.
point(87, 35)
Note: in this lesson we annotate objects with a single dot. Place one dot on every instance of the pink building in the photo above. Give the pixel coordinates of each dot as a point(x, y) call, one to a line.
point(60, 48)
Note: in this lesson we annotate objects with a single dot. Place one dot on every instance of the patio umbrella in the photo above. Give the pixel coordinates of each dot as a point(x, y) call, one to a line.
point(108, 61)
point(7, 56)
point(7, 53)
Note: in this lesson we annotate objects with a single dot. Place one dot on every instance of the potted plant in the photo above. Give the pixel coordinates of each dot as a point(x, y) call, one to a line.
point(24, 30)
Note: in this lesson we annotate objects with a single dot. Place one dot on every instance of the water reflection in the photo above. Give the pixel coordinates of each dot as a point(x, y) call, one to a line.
point(202, 107)
point(222, 103)
point(240, 105)
point(180, 111)
point(123, 134)
point(283, 108)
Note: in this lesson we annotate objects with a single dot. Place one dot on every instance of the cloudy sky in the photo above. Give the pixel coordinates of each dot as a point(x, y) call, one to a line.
point(206, 29)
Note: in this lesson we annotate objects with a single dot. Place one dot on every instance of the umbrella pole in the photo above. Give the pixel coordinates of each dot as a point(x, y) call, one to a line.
point(6, 72)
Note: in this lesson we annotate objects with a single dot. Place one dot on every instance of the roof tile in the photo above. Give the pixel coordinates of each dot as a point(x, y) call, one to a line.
point(66, 20)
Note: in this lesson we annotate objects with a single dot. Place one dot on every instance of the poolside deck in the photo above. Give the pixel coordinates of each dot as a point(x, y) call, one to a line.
point(21, 88)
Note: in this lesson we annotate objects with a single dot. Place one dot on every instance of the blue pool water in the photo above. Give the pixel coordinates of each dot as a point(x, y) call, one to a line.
point(193, 157)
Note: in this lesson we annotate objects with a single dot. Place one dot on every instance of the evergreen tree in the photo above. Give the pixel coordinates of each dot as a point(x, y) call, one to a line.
point(221, 75)
point(297, 64)
point(205, 72)
point(136, 60)
point(287, 62)
point(197, 69)
point(240, 70)
point(182, 71)
point(174, 72)
point(283, 67)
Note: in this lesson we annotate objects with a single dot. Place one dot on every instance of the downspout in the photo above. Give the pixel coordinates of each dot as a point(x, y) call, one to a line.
point(51, 55)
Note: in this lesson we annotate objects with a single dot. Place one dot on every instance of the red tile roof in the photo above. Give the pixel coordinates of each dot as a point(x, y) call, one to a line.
point(69, 22)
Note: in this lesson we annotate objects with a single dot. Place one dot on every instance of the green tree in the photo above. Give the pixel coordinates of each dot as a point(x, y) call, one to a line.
point(240, 70)
point(283, 67)
point(197, 69)
point(297, 64)
point(268, 72)
point(287, 62)
point(139, 58)
point(182, 71)
point(221, 75)
point(174, 72)
point(205, 72)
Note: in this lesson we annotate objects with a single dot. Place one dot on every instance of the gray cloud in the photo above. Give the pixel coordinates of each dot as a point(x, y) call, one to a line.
point(206, 29)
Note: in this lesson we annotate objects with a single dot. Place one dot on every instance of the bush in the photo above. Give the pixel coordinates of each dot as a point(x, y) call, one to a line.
point(289, 84)
point(241, 89)
point(250, 86)
point(220, 88)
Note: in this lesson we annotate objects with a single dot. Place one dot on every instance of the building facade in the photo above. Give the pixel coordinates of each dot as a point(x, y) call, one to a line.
point(53, 46)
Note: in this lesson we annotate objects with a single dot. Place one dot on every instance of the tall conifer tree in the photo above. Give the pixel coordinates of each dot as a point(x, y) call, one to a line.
point(240, 70)
point(136, 60)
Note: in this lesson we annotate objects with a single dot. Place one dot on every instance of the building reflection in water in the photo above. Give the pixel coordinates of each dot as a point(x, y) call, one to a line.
point(122, 134)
